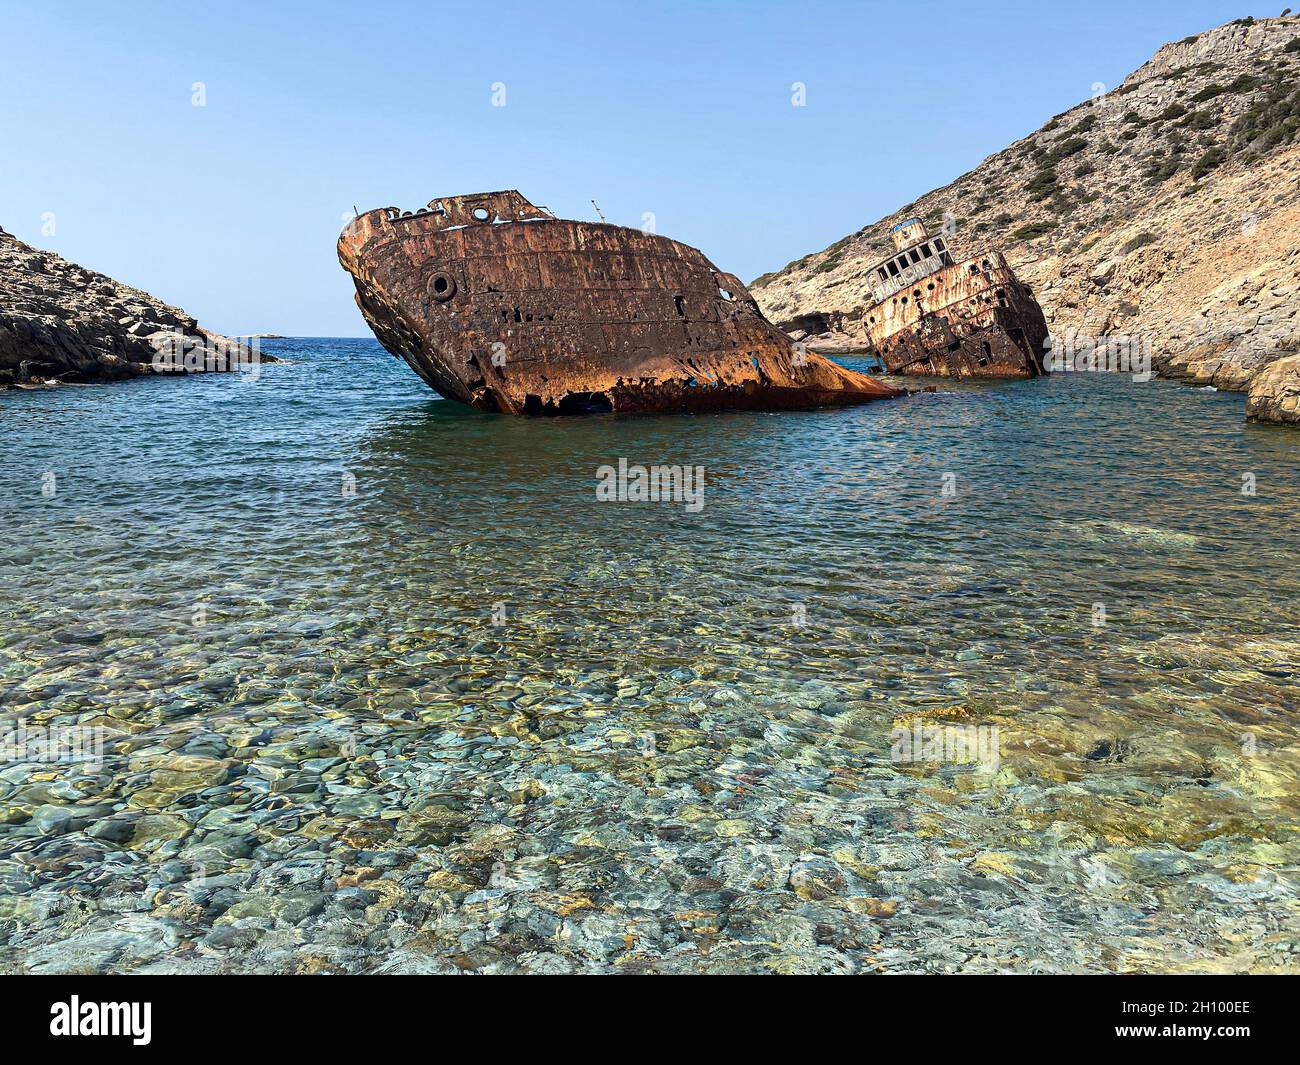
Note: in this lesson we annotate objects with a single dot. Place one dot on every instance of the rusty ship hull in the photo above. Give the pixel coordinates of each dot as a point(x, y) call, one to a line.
point(972, 319)
point(500, 305)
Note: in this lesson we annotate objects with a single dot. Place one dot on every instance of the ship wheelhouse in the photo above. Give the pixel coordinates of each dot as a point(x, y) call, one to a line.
point(916, 255)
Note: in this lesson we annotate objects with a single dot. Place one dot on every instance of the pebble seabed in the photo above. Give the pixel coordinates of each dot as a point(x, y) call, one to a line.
point(466, 719)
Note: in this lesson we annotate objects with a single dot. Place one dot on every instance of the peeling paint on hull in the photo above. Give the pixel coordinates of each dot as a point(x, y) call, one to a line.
point(500, 305)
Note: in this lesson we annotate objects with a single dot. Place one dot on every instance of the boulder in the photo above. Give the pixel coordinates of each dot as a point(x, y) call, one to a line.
point(1275, 393)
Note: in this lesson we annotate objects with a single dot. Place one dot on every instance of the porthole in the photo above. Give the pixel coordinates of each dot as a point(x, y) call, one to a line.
point(442, 287)
point(481, 214)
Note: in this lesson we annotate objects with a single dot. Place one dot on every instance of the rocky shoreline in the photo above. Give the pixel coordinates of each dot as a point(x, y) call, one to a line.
point(63, 323)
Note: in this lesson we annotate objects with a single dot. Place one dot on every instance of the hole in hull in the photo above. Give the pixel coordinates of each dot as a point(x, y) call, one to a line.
point(586, 403)
point(573, 403)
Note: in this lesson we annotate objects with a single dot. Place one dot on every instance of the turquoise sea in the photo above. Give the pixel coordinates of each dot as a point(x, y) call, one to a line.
point(367, 681)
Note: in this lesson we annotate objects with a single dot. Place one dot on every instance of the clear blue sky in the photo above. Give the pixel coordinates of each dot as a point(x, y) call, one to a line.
point(682, 109)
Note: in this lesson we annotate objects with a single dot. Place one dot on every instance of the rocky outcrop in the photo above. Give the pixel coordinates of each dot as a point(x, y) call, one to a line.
point(1164, 210)
point(61, 322)
point(1275, 392)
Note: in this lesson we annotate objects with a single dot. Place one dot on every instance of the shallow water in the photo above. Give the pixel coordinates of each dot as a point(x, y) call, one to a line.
point(384, 687)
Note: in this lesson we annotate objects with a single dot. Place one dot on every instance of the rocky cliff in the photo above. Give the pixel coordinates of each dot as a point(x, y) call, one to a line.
point(1165, 210)
point(61, 322)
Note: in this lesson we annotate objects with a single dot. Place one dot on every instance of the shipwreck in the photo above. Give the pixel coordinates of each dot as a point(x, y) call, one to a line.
point(501, 305)
point(936, 315)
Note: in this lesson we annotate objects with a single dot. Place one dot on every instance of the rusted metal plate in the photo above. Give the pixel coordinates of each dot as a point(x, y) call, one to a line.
point(498, 304)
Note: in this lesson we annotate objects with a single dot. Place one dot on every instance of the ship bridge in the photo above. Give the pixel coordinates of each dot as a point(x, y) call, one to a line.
point(916, 255)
